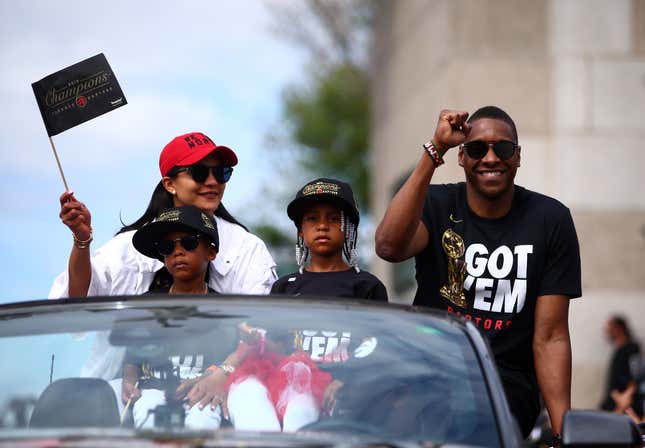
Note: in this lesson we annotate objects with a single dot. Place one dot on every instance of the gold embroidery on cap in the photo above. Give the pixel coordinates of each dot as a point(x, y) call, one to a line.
point(170, 215)
point(321, 187)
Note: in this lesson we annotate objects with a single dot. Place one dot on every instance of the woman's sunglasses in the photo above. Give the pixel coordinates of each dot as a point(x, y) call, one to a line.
point(167, 247)
point(199, 172)
point(479, 148)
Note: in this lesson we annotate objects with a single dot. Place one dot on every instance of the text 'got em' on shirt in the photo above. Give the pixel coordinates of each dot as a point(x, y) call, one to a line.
point(510, 262)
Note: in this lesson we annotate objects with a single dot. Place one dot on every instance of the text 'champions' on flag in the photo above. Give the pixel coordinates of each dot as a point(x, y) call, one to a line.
point(77, 94)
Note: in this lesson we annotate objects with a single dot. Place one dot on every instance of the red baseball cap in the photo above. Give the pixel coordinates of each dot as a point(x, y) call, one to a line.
point(190, 148)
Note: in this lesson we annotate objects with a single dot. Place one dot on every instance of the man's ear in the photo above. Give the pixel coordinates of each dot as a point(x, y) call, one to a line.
point(212, 253)
point(519, 155)
point(169, 184)
point(460, 156)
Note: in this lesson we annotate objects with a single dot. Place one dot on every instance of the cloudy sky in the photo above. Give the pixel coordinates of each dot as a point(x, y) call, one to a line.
point(209, 65)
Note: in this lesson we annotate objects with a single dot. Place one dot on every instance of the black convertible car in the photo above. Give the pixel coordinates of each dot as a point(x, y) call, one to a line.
point(404, 376)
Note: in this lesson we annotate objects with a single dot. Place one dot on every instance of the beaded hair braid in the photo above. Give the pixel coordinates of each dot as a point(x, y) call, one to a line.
point(302, 254)
point(350, 253)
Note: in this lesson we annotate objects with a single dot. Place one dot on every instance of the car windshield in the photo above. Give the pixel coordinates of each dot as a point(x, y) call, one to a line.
point(279, 365)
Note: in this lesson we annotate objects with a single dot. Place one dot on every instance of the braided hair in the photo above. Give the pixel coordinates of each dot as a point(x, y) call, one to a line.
point(349, 229)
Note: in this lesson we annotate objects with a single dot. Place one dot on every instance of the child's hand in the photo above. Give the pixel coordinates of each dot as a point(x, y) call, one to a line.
point(329, 397)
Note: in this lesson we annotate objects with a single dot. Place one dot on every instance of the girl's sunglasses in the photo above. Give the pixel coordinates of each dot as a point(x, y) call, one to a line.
point(167, 247)
point(479, 148)
point(199, 172)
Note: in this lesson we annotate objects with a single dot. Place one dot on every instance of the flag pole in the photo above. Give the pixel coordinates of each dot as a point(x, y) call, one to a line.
point(60, 168)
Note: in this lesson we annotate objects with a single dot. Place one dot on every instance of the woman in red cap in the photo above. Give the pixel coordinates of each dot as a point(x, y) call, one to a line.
point(194, 171)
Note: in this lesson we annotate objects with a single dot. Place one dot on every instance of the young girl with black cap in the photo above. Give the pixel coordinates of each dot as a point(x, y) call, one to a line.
point(293, 391)
point(326, 216)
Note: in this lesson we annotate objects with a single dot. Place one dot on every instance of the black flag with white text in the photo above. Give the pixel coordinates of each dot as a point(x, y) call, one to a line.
point(77, 94)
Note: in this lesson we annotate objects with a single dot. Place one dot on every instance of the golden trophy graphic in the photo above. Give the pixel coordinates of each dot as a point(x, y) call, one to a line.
point(453, 246)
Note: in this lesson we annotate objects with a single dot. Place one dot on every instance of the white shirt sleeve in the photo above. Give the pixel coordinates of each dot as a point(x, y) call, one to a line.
point(243, 264)
point(117, 269)
point(260, 273)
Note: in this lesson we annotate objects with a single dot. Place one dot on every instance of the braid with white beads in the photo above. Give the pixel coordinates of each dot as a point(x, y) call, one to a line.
point(302, 253)
point(351, 237)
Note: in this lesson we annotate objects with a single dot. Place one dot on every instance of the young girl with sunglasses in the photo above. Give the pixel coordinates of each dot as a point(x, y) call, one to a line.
point(186, 240)
point(194, 171)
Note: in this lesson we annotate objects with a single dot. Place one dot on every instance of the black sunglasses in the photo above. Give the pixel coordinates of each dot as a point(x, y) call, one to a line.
point(199, 172)
point(479, 148)
point(167, 247)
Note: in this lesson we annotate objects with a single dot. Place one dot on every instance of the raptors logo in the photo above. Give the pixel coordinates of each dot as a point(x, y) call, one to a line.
point(81, 101)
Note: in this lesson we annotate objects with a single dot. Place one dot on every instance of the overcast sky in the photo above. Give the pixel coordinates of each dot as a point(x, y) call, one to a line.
point(212, 66)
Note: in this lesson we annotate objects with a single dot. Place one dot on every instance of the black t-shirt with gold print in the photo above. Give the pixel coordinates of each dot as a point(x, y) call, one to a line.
point(509, 263)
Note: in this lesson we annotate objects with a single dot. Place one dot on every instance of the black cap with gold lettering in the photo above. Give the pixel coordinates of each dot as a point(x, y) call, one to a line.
point(325, 190)
point(186, 218)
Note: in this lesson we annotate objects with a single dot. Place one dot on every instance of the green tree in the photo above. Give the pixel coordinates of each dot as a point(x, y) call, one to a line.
point(330, 123)
point(327, 115)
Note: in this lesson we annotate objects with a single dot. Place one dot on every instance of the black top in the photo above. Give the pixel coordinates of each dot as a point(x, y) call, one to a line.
point(349, 283)
point(619, 375)
point(510, 262)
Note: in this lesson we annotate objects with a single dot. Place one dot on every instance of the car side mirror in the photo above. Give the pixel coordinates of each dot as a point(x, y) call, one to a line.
point(598, 428)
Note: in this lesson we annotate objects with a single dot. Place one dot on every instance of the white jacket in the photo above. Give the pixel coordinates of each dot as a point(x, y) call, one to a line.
point(243, 265)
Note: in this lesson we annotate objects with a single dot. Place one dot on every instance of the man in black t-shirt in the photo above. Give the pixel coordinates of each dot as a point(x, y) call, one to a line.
point(504, 257)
